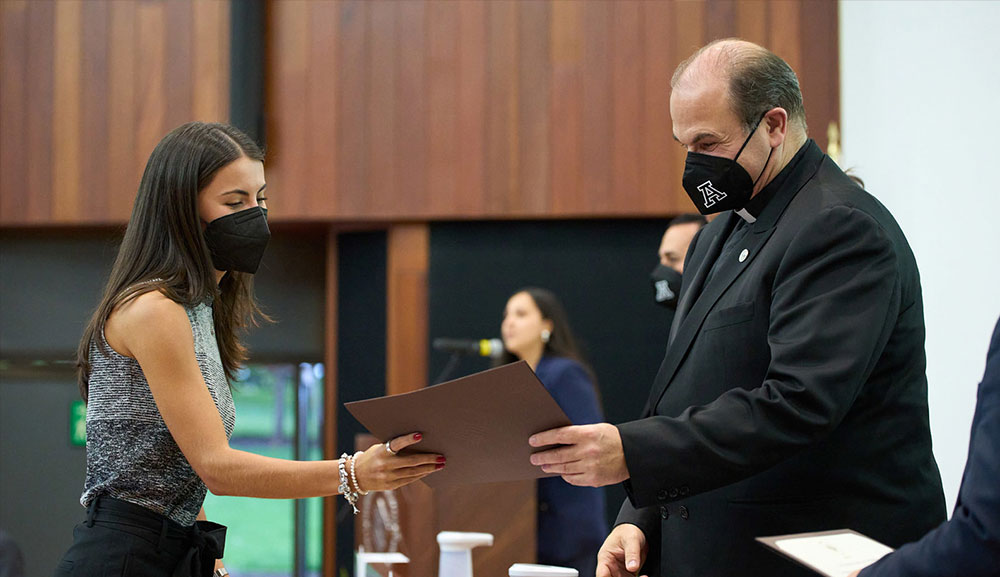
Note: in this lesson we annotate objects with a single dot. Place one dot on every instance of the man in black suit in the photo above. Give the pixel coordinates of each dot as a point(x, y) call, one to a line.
point(793, 394)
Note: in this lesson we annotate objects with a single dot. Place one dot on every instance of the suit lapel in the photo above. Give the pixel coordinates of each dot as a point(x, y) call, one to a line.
point(689, 294)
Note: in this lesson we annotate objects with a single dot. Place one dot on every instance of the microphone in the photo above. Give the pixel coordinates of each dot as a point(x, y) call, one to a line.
point(483, 347)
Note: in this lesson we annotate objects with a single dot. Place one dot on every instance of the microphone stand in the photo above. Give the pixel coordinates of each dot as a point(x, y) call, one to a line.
point(448, 368)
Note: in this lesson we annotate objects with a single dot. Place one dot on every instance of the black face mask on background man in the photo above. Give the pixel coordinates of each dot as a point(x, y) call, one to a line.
point(237, 241)
point(717, 184)
point(667, 283)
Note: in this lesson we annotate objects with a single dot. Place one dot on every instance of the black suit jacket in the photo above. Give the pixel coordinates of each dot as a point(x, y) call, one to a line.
point(793, 395)
point(969, 544)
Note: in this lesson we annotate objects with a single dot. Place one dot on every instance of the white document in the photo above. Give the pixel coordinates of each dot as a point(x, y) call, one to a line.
point(830, 553)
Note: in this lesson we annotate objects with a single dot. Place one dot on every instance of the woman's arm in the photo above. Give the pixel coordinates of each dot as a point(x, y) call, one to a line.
point(157, 333)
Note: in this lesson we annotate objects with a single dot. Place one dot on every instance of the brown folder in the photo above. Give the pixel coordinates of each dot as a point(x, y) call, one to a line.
point(480, 423)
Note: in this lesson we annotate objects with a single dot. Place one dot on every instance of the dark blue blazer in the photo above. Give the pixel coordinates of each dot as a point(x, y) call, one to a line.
point(571, 519)
point(969, 544)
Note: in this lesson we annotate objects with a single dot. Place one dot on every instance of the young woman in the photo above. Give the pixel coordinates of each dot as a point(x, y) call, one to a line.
point(571, 521)
point(155, 364)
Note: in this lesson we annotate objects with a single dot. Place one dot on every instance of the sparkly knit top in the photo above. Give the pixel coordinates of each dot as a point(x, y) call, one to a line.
point(130, 453)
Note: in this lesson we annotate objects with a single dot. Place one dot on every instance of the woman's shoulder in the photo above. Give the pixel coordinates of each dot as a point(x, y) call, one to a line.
point(149, 307)
point(563, 367)
point(561, 363)
point(151, 314)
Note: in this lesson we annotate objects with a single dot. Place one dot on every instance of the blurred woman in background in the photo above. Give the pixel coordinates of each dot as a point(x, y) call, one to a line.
point(571, 520)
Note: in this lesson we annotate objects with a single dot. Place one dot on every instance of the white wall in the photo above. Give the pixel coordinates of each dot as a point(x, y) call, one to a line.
point(920, 110)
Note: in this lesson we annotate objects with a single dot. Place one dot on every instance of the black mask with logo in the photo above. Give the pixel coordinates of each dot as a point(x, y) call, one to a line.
point(667, 284)
point(717, 184)
point(237, 241)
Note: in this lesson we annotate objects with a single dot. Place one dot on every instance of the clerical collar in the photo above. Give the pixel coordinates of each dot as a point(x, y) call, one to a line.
point(756, 204)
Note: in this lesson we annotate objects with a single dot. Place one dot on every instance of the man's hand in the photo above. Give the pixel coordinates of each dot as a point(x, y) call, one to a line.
point(593, 455)
point(623, 552)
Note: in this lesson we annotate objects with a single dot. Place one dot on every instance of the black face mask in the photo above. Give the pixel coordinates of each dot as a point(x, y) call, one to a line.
point(716, 184)
point(237, 241)
point(667, 283)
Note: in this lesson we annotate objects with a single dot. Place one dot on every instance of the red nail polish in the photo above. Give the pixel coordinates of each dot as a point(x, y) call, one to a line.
point(439, 466)
point(441, 460)
point(417, 436)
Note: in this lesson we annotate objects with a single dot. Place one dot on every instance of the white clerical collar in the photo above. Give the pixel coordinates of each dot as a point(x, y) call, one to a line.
point(745, 215)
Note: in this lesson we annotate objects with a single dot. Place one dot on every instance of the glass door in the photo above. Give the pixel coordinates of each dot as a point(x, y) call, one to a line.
point(279, 413)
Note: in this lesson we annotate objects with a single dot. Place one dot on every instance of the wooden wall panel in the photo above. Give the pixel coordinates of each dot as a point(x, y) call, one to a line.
point(331, 400)
point(122, 134)
point(566, 104)
point(472, 73)
point(660, 180)
point(89, 88)
point(534, 108)
point(36, 199)
point(408, 191)
point(93, 102)
point(627, 119)
point(501, 106)
point(13, 104)
point(383, 111)
point(820, 80)
point(511, 109)
point(351, 148)
point(407, 344)
point(322, 97)
point(66, 115)
point(596, 109)
point(442, 104)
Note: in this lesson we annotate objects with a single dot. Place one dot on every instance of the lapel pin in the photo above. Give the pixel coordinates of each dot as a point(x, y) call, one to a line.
point(744, 255)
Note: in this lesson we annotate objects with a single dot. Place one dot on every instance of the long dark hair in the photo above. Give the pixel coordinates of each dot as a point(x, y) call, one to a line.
point(562, 342)
point(164, 249)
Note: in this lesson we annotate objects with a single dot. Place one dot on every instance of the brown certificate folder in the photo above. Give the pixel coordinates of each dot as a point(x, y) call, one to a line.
point(480, 423)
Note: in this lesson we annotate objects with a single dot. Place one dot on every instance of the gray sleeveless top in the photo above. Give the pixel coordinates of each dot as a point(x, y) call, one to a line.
point(130, 453)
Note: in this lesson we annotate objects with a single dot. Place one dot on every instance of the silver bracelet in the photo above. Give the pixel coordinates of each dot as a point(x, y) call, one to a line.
point(345, 487)
point(354, 478)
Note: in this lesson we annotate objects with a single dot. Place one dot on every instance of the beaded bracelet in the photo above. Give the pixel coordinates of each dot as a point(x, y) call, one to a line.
point(354, 478)
point(345, 487)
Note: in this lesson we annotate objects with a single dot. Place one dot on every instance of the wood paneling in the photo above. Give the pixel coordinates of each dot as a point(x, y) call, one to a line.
point(505, 109)
point(383, 111)
point(89, 88)
point(330, 398)
point(407, 263)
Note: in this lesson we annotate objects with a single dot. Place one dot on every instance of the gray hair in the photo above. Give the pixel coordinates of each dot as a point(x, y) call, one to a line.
point(759, 80)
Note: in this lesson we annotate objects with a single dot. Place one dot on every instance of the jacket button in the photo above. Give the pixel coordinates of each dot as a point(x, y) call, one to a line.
point(684, 490)
point(543, 506)
point(661, 495)
point(684, 513)
point(673, 493)
point(664, 513)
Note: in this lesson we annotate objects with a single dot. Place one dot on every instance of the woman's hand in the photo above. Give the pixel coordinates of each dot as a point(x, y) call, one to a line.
point(377, 469)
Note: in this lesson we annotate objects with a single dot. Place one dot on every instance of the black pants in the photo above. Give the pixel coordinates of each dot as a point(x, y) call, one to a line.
point(124, 540)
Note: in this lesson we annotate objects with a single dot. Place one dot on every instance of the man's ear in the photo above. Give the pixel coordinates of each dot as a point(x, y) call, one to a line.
point(777, 126)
